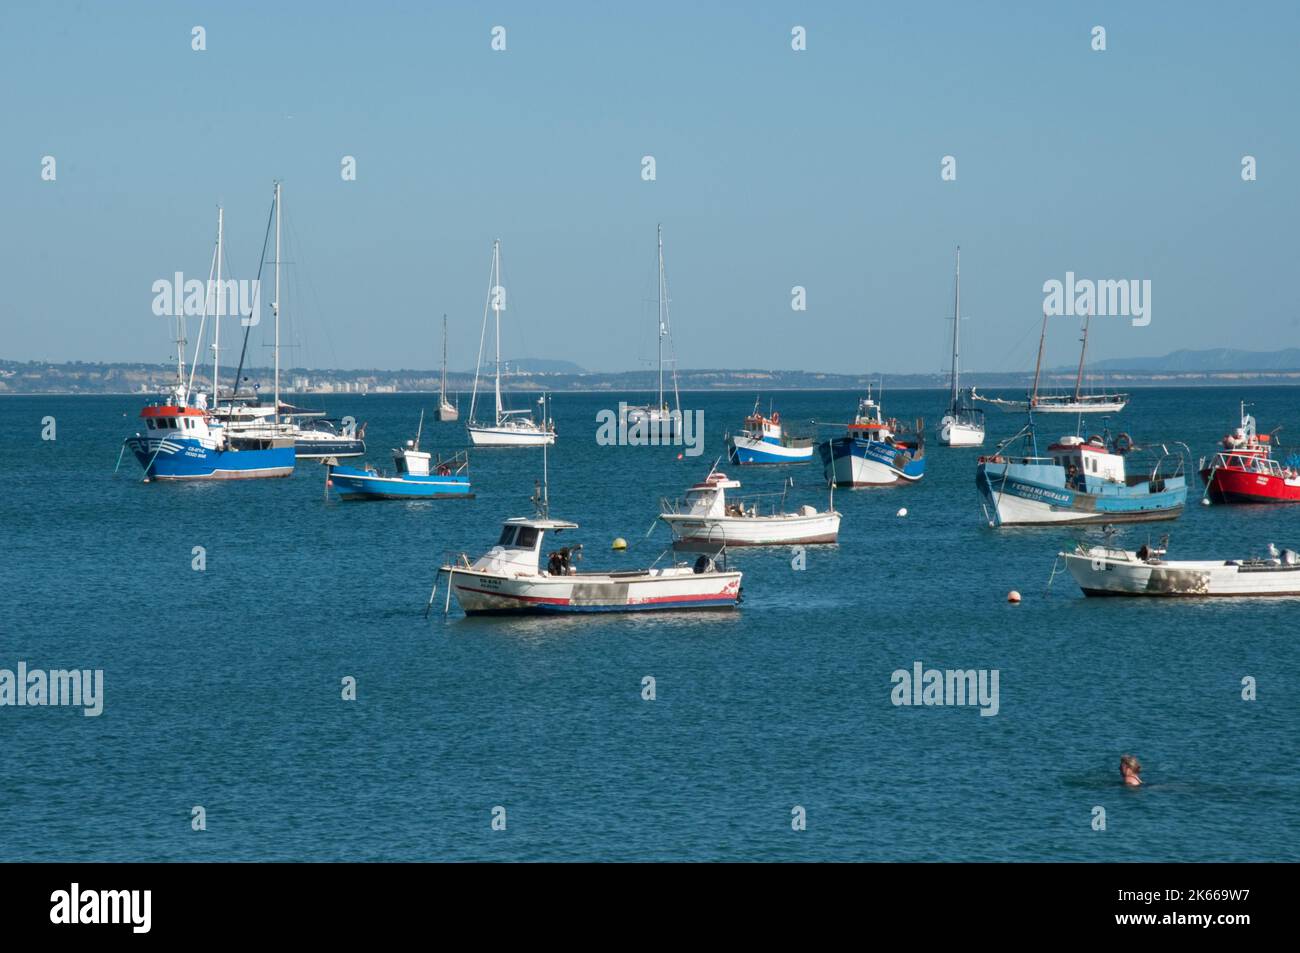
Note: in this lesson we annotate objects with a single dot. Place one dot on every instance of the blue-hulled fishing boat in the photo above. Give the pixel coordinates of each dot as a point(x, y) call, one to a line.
point(874, 451)
point(1092, 480)
point(764, 442)
point(417, 476)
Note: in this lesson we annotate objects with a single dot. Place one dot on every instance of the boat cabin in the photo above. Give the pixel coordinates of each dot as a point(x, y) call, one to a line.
point(1087, 461)
point(708, 497)
point(182, 421)
point(518, 549)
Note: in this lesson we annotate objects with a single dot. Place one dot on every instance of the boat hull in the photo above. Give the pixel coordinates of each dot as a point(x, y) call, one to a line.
point(172, 458)
point(786, 530)
point(308, 448)
point(1103, 573)
point(955, 434)
point(1232, 485)
point(852, 462)
point(656, 590)
point(1016, 500)
point(351, 483)
point(509, 437)
point(746, 451)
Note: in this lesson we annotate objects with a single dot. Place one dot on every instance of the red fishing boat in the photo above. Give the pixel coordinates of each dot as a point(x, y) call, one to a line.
point(1244, 471)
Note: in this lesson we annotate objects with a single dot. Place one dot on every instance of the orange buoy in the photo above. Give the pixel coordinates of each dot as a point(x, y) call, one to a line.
point(1013, 597)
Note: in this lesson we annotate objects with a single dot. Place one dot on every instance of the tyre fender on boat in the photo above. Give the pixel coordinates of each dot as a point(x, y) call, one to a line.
point(1123, 443)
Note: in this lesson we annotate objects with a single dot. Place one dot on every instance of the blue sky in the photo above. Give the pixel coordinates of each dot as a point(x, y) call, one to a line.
point(775, 168)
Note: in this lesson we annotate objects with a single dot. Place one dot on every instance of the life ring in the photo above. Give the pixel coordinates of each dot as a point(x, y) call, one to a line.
point(1123, 443)
point(776, 417)
point(1096, 438)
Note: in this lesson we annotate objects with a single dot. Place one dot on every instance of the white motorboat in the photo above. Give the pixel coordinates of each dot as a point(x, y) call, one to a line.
point(510, 577)
point(1103, 571)
point(705, 517)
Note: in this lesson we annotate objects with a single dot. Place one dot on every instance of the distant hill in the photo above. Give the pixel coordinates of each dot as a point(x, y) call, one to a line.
point(1215, 359)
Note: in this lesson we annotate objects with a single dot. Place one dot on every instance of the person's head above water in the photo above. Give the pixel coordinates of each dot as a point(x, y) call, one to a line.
point(1129, 769)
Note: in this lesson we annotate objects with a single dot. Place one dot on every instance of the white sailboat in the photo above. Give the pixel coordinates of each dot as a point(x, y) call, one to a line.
point(657, 418)
point(962, 425)
point(509, 428)
point(1076, 403)
point(446, 411)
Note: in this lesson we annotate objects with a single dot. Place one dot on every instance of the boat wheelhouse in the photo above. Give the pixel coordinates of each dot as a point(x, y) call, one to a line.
point(707, 518)
point(874, 451)
point(1093, 480)
point(1245, 471)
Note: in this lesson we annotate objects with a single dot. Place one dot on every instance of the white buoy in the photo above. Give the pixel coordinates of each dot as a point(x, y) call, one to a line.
point(1205, 501)
point(903, 511)
point(1013, 597)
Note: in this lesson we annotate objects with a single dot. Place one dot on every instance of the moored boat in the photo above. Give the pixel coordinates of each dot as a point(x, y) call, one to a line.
point(962, 425)
point(447, 411)
point(874, 451)
point(183, 439)
point(658, 419)
point(1078, 481)
point(509, 579)
point(764, 442)
point(417, 476)
point(508, 428)
point(1104, 571)
point(706, 518)
point(1245, 471)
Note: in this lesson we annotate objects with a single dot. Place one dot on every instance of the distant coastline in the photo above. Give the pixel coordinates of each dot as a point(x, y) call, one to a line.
point(36, 378)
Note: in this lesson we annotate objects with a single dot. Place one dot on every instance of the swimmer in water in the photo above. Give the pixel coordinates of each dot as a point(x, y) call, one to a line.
point(1129, 769)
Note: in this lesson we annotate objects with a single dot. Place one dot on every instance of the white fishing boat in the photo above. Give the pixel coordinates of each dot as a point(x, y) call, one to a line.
point(511, 579)
point(706, 517)
point(658, 418)
point(962, 425)
point(1104, 571)
point(509, 428)
point(447, 411)
point(1079, 402)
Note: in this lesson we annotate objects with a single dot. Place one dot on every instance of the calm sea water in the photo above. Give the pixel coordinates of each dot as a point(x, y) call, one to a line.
point(223, 687)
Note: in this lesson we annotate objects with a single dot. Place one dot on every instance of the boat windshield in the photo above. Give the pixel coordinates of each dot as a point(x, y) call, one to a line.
point(518, 537)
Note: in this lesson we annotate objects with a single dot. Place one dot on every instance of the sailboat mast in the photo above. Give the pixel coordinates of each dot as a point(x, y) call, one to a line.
point(216, 317)
point(1083, 352)
point(442, 393)
point(956, 332)
point(660, 405)
point(275, 305)
point(1038, 364)
point(496, 308)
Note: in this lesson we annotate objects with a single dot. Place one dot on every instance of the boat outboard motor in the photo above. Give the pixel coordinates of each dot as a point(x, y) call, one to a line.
point(704, 564)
